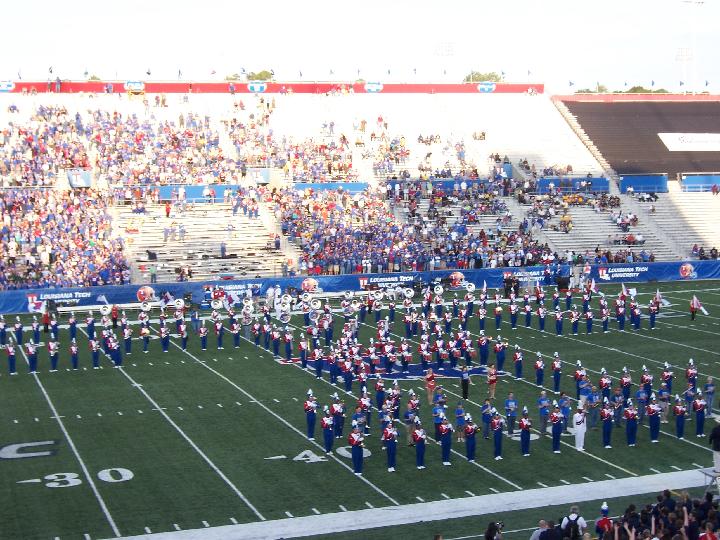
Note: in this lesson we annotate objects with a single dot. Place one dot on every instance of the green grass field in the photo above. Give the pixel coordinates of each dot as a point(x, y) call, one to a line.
point(181, 440)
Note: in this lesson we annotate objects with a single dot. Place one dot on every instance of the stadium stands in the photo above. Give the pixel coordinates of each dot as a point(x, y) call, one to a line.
point(626, 133)
point(53, 238)
point(209, 139)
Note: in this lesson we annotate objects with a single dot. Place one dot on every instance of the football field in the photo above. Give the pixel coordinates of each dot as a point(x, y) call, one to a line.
point(195, 440)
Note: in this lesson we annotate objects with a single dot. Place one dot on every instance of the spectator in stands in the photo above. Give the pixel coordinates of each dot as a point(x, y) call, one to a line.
point(58, 239)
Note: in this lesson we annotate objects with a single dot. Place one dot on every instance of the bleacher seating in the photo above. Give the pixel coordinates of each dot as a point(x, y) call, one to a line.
point(687, 218)
point(626, 134)
point(249, 245)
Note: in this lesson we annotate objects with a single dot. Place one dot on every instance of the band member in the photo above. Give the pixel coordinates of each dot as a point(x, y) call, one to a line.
point(32, 357)
point(630, 423)
point(496, 425)
point(556, 421)
point(10, 349)
point(389, 438)
point(539, 369)
point(470, 431)
point(419, 437)
point(556, 367)
point(525, 427)
point(680, 412)
point(607, 418)
point(653, 413)
point(326, 424)
point(310, 406)
point(355, 439)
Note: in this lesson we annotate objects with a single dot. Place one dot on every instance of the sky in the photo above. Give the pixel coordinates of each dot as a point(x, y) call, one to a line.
point(613, 42)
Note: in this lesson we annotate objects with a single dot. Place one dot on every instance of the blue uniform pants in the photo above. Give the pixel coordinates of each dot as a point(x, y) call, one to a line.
point(680, 426)
point(470, 447)
point(539, 376)
point(391, 449)
point(556, 381)
point(606, 432)
point(445, 445)
point(518, 370)
point(32, 360)
point(631, 431)
point(310, 424)
point(497, 439)
point(557, 429)
point(11, 363)
point(357, 458)
point(328, 439)
point(654, 421)
point(525, 441)
point(420, 453)
point(700, 422)
point(542, 323)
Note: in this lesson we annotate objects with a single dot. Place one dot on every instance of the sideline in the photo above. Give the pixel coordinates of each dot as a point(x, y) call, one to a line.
point(437, 510)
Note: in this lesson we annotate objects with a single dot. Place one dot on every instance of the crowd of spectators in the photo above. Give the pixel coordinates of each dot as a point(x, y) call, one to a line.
point(132, 151)
point(341, 233)
point(669, 517)
point(699, 252)
point(53, 238)
point(36, 152)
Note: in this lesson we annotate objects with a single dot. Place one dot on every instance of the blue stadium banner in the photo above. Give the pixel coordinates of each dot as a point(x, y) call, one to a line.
point(24, 301)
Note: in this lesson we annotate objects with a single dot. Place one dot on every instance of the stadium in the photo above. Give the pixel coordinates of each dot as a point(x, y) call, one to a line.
point(305, 299)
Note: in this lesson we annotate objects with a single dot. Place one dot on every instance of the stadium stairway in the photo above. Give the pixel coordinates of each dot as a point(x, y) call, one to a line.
point(683, 218)
point(250, 252)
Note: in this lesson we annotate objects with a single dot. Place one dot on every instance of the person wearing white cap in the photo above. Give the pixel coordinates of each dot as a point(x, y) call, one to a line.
point(445, 429)
point(680, 412)
point(556, 419)
point(653, 411)
point(326, 423)
point(419, 436)
point(470, 444)
point(699, 405)
point(580, 424)
point(606, 417)
point(355, 439)
point(525, 426)
point(631, 423)
point(310, 407)
point(496, 425)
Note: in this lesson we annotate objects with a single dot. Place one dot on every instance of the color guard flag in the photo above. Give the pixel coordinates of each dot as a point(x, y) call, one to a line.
point(166, 299)
point(695, 304)
point(484, 289)
point(593, 286)
point(623, 292)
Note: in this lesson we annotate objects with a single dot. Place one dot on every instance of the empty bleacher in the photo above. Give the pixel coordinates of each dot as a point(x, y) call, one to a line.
point(687, 218)
point(626, 133)
point(250, 251)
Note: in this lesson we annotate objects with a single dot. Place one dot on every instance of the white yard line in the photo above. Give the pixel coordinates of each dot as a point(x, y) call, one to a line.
point(281, 419)
point(193, 445)
point(75, 451)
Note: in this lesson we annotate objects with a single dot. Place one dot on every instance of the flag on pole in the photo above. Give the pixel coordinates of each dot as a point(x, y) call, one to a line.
point(623, 292)
point(484, 289)
point(593, 286)
point(102, 298)
point(696, 305)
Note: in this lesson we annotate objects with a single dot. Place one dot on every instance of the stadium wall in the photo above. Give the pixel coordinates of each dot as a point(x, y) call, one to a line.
point(255, 87)
point(23, 301)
